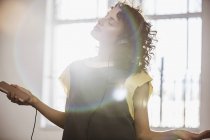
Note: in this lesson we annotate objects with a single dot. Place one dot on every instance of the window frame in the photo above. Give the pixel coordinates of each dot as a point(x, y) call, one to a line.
point(186, 16)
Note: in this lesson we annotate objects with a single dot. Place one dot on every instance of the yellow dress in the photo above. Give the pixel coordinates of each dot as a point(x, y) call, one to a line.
point(134, 81)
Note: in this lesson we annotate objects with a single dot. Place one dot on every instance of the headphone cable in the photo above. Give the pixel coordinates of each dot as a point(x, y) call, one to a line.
point(34, 125)
point(93, 113)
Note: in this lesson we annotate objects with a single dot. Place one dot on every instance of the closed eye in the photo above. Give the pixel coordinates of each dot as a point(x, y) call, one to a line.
point(112, 21)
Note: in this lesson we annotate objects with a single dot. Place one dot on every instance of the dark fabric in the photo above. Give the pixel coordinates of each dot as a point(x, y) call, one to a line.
point(93, 112)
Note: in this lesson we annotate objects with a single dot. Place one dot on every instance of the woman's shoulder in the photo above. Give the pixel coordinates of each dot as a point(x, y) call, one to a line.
point(137, 80)
point(139, 77)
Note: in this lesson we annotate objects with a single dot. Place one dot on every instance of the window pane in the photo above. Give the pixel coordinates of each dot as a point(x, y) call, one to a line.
point(102, 8)
point(72, 42)
point(195, 5)
point(181, 73)
point(194, 41)
point(171, 6)
point(80, 9)
point(112, 2)
point(194, 69)
point(172, 44)
point(172, 47)
point(149, 7)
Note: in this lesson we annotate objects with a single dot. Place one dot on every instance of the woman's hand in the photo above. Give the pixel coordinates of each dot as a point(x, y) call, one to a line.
point(57, 117)
point(30, 101)
point(204, 135)
point(186, 135)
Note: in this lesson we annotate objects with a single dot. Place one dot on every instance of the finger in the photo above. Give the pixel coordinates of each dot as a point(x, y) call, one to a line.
point(16, 99)
point(20, 103)
point(21, 100)
point(22, 89)
point(14, 85)
point(13, 100)
point(9, 95)
point(12, 95)
point(3, 90)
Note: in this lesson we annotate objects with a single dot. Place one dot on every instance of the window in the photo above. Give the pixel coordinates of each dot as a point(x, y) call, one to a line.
point(177, 62)
point(175, 68)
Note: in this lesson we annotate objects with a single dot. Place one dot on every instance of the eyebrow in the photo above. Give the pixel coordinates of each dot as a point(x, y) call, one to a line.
point(115, 19)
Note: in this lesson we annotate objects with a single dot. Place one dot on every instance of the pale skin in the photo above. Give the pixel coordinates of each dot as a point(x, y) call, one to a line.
point(107, 32)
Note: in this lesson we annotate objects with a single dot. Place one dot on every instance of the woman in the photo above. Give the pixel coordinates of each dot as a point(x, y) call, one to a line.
point(108, 94)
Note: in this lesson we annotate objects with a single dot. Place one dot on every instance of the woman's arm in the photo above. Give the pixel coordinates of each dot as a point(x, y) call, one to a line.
point(141, 97)
point(56, 117)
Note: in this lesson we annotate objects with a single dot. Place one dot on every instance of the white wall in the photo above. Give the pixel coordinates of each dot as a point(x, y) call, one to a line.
point(21, 60)
point(205, 68)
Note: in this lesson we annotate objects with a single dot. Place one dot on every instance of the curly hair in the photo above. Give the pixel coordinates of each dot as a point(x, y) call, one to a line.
point(138, 34)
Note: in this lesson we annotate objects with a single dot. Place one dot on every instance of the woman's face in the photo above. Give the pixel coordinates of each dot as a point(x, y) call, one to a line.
point(108, 29)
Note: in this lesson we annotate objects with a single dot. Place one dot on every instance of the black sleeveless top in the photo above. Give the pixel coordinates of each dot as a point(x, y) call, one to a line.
point(93, 111)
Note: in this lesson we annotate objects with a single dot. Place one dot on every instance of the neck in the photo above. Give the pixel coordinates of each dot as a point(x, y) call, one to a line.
point(118, 55)
point(106, 51)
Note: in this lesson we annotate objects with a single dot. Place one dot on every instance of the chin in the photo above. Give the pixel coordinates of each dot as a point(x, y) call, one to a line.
point(99, 36)
point(95, 35)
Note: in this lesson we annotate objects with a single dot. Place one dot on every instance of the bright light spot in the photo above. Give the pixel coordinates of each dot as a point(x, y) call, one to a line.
point(119, 94)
